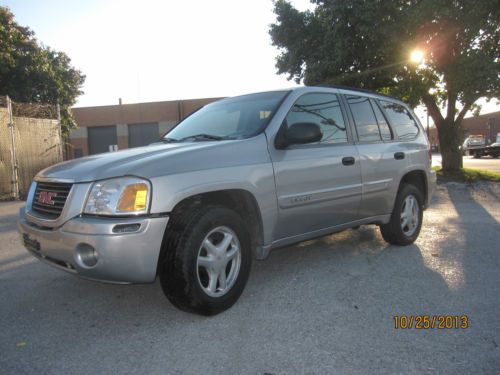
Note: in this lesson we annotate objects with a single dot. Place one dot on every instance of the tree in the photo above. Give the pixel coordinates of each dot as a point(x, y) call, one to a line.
point(367, 43)
point(33, 73)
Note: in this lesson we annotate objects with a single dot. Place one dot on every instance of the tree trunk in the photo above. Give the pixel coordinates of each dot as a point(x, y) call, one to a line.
point(450, 140)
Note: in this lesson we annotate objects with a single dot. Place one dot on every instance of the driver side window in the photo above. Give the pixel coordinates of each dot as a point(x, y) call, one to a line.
point(324, 110)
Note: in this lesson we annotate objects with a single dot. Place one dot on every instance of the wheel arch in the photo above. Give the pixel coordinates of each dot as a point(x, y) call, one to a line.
point(417, 178)
point(240, 200)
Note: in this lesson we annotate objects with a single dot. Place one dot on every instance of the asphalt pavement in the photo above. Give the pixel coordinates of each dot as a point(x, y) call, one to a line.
point(322, 307)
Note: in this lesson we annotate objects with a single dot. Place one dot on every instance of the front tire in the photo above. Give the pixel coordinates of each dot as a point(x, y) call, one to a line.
point(207, 260)
point(406, 218)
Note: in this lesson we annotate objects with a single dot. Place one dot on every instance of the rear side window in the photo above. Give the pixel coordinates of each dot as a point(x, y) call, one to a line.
point(364, 118)
point(323, 110)
point(401, 120)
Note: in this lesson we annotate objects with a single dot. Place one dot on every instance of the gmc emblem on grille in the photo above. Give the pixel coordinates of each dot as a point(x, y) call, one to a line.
point(46, 197)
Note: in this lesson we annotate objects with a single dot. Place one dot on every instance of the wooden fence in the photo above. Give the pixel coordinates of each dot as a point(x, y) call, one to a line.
point(30, 140)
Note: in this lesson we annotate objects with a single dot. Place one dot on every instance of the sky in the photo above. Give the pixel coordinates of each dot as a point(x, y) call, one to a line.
point(153, 50)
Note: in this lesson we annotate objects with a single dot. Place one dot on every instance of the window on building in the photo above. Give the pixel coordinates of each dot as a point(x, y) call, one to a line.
point(323, 110)
point(364, 118)
point(401, 120)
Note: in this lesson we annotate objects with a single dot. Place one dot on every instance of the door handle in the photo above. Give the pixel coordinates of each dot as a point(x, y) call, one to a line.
point(399, 155)
point(348, 160)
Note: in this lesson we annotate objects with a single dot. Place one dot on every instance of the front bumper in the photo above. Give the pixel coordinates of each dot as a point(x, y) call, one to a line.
point(121, 257)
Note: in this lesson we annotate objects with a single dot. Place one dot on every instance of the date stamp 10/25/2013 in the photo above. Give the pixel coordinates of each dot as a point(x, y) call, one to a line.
point(431, 322)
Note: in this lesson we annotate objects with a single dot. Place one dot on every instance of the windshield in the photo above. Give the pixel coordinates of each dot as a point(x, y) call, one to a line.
point(232, 118)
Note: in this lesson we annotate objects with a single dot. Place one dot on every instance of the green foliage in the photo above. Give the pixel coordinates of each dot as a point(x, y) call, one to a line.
point(466, 175)
point(33, 73)
point(367, 43)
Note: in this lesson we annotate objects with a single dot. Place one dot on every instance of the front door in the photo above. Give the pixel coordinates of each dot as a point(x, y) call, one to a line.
point(319, 184)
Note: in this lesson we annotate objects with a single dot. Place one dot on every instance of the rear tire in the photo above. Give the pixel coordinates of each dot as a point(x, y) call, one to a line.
point(406, 218)
point(207, 260)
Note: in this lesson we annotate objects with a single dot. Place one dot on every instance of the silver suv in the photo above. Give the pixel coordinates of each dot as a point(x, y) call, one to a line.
point(234, 180)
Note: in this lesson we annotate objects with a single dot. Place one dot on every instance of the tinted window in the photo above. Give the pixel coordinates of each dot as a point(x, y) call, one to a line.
point(366, 124)
point(323, 110)
point(401, 120)
point(385, 130)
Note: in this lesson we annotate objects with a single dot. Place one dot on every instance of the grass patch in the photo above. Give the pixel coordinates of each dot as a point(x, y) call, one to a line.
point(466, 175)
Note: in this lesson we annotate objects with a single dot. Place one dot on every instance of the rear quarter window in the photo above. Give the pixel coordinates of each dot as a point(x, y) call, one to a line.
point(402, 122)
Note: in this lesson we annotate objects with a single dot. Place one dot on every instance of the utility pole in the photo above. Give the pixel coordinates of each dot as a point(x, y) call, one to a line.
point(15, 179)
point(428, 133)
point(489, 126)
point(59, 126)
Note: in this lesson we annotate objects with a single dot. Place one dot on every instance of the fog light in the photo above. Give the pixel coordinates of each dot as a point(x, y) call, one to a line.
point(126, 228)
point(86, 255)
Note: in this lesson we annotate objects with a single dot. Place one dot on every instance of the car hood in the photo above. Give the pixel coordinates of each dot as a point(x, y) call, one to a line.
point(161, 159)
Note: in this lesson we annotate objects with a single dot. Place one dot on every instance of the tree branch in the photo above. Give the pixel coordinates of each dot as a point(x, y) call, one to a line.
point(433, 109)
point(463, 112)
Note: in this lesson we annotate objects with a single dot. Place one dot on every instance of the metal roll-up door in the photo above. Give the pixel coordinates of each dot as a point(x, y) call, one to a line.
point(102, 139)
point(142, 134)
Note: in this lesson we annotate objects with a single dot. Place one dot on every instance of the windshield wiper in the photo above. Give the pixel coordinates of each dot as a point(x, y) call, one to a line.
point(168, 140)
point(204, 137)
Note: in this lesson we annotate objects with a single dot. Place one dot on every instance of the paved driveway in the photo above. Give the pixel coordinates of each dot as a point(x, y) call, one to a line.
point(322, 307)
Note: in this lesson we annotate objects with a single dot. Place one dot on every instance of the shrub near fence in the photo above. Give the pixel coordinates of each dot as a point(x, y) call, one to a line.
point(30, 140)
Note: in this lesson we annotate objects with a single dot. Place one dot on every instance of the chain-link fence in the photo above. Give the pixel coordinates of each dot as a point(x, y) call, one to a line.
point(30, 140)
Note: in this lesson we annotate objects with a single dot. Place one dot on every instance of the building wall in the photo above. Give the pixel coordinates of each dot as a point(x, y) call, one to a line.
point(487, 125)
point(166, 114)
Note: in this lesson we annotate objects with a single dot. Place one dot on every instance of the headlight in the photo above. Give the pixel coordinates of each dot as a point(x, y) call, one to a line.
point(119, 196)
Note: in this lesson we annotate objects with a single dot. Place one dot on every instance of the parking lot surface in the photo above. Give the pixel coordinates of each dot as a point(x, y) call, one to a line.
point(321, 307)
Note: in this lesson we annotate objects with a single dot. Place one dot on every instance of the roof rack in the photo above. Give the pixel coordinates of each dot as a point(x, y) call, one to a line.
point(352, 89)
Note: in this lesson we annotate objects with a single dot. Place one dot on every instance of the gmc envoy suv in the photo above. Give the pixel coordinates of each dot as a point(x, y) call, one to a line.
point(232, 181)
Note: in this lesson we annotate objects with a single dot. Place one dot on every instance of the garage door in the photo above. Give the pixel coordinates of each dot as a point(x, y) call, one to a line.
point(101, 138)
point(142, 134)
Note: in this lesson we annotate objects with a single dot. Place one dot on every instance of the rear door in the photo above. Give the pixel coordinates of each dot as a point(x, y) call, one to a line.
point(381, 157)
point(319, 184)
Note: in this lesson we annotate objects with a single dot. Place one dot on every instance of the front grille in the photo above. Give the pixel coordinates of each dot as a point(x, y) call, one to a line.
point(53, 192)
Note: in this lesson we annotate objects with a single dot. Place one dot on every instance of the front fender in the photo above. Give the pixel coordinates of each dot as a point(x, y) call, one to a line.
point(257, 179)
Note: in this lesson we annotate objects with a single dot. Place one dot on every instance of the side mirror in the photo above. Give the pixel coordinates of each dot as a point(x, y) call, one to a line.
point(299, 133)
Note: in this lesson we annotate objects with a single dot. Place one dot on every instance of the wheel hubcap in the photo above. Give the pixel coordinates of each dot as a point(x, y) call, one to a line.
point(409, 215)
point(219, 260)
